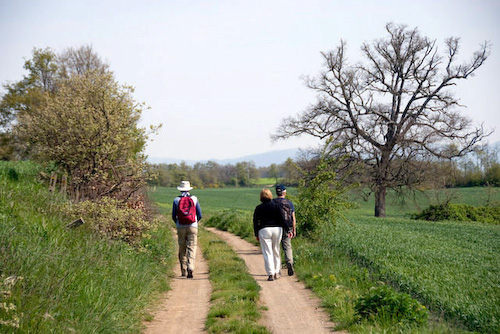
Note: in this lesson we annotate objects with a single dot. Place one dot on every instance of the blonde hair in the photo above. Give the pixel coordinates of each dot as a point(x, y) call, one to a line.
point(265, 195)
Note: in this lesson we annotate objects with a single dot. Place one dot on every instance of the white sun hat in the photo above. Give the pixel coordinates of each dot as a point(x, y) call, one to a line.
point(185, 186)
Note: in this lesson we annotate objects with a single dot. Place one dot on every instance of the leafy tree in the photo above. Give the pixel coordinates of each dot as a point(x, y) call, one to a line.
point(245, 171)
point(290, 174)
point(45, 71)
point(69, 110)
point(393, 109)
point(25, 95)
point(320, 198)
point(89, 128)
point(274, 172)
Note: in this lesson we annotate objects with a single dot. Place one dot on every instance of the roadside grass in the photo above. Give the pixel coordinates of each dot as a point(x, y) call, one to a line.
point(69, 280)
point(235, 296)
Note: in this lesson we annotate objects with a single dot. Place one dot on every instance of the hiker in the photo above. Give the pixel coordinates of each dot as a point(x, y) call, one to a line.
point(268, 227)
point(186, 213)
point(288, 213)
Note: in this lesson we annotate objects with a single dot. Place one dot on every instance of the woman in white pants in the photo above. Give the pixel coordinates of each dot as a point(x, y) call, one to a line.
point(268, 228)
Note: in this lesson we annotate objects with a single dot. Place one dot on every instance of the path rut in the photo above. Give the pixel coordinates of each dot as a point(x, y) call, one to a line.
point(185, 307)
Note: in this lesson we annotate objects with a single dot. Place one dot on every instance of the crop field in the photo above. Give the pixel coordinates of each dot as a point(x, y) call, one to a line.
point(212, 200)
point(453, 268)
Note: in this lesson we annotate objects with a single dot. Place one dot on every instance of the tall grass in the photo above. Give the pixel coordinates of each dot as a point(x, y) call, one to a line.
point(72, 281)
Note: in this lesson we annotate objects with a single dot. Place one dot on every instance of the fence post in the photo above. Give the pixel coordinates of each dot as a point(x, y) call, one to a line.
point(53, 182)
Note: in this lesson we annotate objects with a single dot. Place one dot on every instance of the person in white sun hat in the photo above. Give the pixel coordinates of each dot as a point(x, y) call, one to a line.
point(186, 213)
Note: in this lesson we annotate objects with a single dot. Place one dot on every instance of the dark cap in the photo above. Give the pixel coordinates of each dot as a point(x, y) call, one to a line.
point(280, 189)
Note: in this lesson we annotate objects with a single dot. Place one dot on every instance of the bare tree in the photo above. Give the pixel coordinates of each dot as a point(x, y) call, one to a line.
point(392, 109)
point(79, 61)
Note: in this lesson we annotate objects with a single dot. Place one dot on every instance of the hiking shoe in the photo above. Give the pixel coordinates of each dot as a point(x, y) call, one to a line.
point(276, 276)
point(270, 278)
point(190, 274)
point(183, 272)
point(290, 269)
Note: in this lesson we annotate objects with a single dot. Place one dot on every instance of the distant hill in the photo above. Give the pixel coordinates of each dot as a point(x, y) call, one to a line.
point(261, 160)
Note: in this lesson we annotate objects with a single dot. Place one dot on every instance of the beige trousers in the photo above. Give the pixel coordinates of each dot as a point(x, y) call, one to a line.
point(187, 238)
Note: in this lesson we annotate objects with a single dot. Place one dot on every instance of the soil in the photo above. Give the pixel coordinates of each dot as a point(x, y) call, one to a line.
point(291, 308)
point(184, 308)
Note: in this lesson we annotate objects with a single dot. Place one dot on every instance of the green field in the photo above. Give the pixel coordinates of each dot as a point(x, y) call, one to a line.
point(451, 267)
point(212, 200)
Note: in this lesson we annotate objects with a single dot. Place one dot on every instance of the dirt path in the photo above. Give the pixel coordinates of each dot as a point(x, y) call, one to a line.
point(291, 307)
point(184, 308)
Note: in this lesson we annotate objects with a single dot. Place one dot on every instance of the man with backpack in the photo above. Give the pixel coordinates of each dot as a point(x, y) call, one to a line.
point(288, 214)
point(186, 213)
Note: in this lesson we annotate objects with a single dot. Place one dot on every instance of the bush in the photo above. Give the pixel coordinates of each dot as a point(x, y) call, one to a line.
point(384, 304)
point(460, 212)
point(321, 195)
point(113, 219)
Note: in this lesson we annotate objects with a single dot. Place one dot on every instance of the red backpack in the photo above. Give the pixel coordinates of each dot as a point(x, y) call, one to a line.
point(187, 211)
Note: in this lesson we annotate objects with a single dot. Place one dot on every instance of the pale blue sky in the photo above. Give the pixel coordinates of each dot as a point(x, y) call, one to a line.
point(221, 75)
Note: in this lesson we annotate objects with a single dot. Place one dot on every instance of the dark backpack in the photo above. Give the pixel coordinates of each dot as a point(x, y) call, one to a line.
point(286, 212)
point(186, 212)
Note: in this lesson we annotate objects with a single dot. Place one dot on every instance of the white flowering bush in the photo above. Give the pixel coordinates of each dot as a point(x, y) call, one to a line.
point(114, 219)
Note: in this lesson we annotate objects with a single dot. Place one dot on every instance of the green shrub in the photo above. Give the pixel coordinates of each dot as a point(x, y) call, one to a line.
point(113, 219)
point(384, 304)
point(460, 212)
point(321, 197)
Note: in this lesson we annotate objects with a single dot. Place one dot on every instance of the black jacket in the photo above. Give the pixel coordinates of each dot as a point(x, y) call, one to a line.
point(266, 214)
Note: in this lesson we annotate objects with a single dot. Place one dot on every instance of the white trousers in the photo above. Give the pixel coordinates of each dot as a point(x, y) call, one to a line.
point(270, 238)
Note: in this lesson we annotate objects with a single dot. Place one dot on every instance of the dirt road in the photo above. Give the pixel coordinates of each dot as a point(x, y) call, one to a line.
point(185, 307)
point(292, 308)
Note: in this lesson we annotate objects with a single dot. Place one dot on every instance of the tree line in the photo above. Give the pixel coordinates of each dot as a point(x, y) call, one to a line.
point(211, 174)
point(480, 168)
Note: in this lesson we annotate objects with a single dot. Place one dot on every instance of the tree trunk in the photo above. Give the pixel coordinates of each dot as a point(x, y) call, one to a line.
point(380, 201)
